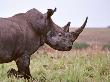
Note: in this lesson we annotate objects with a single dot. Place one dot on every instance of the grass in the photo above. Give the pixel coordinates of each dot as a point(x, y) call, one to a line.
point(73, 66)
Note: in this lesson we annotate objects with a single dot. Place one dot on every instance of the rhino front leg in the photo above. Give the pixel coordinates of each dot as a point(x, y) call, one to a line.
point(23, 66)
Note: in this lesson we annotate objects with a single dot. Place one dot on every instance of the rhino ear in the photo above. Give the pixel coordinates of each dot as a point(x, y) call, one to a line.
point(66, 27)
point(50, 12)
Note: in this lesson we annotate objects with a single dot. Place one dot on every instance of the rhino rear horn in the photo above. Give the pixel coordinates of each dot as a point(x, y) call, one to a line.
point(50, 12)
point(79, 30)
point(66, 27)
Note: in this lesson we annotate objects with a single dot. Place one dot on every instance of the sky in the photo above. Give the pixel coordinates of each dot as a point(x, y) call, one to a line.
point(74, 11)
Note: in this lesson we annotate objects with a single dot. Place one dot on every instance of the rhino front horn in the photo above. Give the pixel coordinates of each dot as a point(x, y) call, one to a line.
point(50, 12)
point(79, 30)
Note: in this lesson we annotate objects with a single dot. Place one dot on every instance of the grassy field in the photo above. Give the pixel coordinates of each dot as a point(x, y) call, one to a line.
point(73, 66)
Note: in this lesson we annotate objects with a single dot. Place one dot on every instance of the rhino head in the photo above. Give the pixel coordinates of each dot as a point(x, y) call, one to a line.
point(60, 38)
point(53, 35)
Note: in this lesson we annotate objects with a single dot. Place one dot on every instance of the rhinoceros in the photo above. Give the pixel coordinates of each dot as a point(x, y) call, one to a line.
point(22, 34)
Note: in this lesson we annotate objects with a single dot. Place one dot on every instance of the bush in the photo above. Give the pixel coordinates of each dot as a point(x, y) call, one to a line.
point(80, 45)
point(106, 46)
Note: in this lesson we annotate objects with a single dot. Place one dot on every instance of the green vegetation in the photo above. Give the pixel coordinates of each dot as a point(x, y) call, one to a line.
point(106, 46)
point(80, 45)
point(73, 66)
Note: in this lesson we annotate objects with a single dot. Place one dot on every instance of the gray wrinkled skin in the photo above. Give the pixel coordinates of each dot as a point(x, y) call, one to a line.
point(60, 40)
point(22, 34)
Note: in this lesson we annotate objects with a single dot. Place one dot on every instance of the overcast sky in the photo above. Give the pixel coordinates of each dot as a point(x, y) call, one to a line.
point(74, 11)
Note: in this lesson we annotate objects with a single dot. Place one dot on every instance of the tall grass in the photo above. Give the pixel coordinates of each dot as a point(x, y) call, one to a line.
point(72, 66)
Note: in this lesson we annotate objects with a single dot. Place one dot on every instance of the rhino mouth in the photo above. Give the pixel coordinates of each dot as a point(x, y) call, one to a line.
point(56, 47)
point(66, 49)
